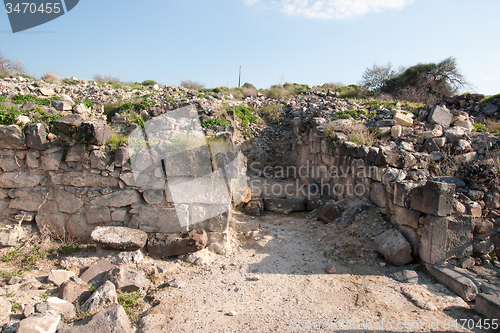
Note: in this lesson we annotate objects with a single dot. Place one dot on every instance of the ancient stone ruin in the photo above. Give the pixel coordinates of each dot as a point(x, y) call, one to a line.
point(170, 188)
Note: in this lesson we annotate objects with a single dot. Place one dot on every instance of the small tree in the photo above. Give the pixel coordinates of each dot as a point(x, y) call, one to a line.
point(9, 66)
point(427, 81)
point(374, 78)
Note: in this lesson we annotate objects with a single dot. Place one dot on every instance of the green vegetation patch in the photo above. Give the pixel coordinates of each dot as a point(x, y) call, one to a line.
point(32, 99)
point(215, 121)
point(132, 303)
point(245, 114)
point(489, 99)
point(479, 127)
point(149, 83)
point(8, 115)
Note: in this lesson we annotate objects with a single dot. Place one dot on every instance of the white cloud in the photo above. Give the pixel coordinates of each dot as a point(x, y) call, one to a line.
point(330, 9)
point(489, 78)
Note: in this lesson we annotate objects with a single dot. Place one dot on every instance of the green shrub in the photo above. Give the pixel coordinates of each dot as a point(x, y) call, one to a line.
point(215, 121)
point(70, 248)
point(489, 99)
point(41, 116)
point(87, 102)
point(8, 115)
point(22, 99)
point(247, 134)
point(132, 303)
point(245, 114)
point(146, 104)
point(117, 140)
point(149, 83)
point(273, 113)
point(69, 82)
point(3, 99)
point(479, 127)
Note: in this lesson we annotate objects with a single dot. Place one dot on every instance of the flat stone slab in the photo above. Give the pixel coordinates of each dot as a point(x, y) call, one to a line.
point(488, 305)
point(96, 272)
point(112, 319)
point(455, 279)
point(119, 238)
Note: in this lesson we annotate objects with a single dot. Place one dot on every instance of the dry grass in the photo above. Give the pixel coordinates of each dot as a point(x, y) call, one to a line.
point(190, 84)
point(356, 132)
point(106, 78)
point(249, 92)
point(51, 77)
point(493, 125)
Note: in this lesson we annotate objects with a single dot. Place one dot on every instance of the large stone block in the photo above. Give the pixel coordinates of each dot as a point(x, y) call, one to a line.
point(77, 153)
point(411, 235)
point(82, 179)
point(434, 198)
point(117, 199)
point(394, 247)
point(157, 219)
point(488, 306)
point(202, 190)
point(11, 137)
point(69, 124)
point(78, 228)
point(51, 162)
point(52, 224)
point(456, 279)
point(9, 161)
point(167, 245)
point(40, 323)
point(99, 160)
point(20, 179)
point(111, 319)
point(68, 202)
point(119, 238)
point(329, 212)
point(126, 279)
point(404, 216)
point(403, 119)
point(95, 131)
point(62, 105)
point(27, 199)
point(446, 237)
point(402, 192)
point(36, 137)
point(378, 194)
point(214, 218)
point(98, 215)
point(440, 115)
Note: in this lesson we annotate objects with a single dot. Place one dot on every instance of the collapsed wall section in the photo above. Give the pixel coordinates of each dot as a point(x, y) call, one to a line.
point(156, 184)
point(395, 178)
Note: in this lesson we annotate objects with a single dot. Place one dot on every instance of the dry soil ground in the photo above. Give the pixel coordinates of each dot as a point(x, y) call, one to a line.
point(275, 281)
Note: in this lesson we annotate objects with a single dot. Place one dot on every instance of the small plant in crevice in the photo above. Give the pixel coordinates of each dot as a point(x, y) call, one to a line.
point(133, 304)
point(215, 121)
point(245, 114)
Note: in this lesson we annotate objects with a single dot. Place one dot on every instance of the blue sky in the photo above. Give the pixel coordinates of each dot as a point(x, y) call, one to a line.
point(306, 41)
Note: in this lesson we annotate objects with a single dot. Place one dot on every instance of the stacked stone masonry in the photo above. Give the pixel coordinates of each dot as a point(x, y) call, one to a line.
point(425, 210)
point(70, 190)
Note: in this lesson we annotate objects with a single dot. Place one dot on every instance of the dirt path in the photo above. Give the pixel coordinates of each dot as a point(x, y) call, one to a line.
point(275, 281)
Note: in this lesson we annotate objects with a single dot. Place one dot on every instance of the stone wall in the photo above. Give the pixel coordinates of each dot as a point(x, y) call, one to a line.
point(68, 190)
point(396, 178)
